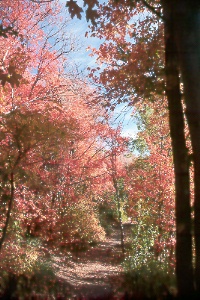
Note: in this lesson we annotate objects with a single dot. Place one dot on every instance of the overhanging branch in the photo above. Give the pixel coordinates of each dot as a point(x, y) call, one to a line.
point(152, 9)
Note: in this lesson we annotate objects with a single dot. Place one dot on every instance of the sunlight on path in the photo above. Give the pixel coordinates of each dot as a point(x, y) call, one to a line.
point(91, 274)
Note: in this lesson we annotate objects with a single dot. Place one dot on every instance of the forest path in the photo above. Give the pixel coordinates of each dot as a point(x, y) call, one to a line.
point(95, 273)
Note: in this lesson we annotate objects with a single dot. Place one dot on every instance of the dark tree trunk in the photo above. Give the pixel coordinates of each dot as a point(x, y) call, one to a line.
point(184, 269)
point(187, 35)
point(4, 232)
point(11, 288)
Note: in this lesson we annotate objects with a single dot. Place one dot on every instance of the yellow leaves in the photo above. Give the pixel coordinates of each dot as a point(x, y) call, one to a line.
point(81, 219)
point(20, 259)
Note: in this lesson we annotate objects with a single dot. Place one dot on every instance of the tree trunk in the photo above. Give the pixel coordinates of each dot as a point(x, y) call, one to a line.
point(120, 224)
point(187, 36)
point(4, 232)
point(11, 287)
point(184, 270)
point(119, 214)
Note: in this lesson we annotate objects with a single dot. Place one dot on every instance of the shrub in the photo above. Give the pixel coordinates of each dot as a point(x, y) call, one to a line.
point(150, 279)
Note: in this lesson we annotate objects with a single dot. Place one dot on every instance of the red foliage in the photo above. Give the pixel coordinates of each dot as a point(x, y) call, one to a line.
point(52, 136)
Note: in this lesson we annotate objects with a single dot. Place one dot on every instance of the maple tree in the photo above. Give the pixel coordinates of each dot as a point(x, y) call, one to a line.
point(16, 111)
point(181, 47)
point(54, 165)
point(153, 207)
point(59, 155)
point(117, 146)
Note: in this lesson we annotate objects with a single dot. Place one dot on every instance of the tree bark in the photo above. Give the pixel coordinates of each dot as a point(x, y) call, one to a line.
point(184, 269)
point(8, 211)
point(187, 35)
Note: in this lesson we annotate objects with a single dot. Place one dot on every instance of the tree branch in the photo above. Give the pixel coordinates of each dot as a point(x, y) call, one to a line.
point(152, 9)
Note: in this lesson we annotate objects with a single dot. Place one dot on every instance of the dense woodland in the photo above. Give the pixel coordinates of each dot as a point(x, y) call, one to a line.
point(68, 178)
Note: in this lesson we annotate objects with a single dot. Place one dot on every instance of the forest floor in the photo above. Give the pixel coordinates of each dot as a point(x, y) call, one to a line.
point(95, 273)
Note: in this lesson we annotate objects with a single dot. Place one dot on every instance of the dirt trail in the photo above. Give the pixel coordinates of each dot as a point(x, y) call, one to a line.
point(94, 273)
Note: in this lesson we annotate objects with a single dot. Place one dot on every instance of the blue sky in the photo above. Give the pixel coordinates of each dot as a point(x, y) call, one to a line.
point(82, 59)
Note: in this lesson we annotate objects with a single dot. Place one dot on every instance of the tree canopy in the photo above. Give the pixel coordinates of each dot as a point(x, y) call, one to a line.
point(67, 176)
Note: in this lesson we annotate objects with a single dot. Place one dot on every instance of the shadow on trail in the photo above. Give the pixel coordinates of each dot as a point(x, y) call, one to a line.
point(92, 274)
